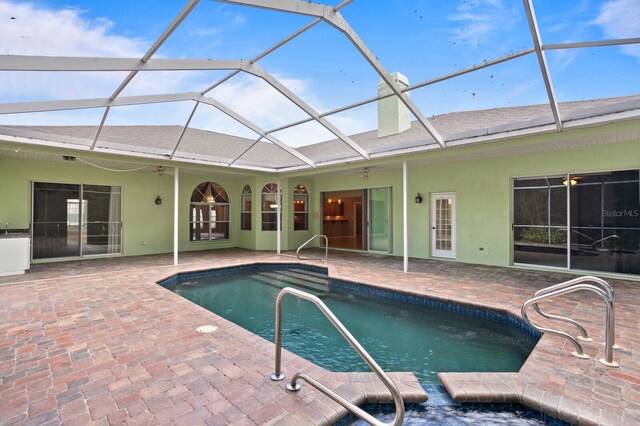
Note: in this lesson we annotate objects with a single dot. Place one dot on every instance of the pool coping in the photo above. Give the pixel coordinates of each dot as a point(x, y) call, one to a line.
point(465, 308)
point(361, 388)
point(521, 387)
point(486, 388)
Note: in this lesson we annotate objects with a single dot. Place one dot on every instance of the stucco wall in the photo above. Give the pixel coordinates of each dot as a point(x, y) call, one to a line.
point(480, 176)
point(483, 190)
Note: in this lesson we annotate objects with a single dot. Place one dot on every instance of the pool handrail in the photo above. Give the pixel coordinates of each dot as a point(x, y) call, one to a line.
point(586, 279)
point(578, 285)
point(295, 386)
point(326, 248)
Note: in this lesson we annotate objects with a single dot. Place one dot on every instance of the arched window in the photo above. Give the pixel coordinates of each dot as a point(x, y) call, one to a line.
point(209, 213)
point(245, 209)
point(300, 208)
point(269, 207)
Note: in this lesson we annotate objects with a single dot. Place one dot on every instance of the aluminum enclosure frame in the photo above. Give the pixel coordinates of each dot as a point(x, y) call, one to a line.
point(321, 13)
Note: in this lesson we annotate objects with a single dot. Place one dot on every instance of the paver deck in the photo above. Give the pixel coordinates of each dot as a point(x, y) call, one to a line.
point(98, 341)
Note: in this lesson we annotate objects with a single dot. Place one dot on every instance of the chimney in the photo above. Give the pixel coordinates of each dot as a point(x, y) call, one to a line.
point(393, 115)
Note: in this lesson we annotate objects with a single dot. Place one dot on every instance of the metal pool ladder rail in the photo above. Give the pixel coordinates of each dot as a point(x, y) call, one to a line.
point(593, 284)
point(326, 248)
point(295, 386)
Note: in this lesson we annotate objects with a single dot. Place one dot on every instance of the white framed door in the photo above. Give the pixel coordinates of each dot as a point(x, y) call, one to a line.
point(443, 225)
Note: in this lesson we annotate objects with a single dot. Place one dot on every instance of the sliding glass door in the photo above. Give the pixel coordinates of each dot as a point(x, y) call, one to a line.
point(56, 220)
point(102, 222)
point(601, 212)
point(540, 221)
point(71, 220)
point(605, 222)
point(379, 219)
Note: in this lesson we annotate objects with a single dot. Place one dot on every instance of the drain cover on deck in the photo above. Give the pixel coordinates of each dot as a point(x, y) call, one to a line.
point(206, 329)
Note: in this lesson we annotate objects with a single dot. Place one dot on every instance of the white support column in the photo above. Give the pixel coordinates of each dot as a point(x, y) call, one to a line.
point(405, 218)
point(176, 187)
point(278, 224)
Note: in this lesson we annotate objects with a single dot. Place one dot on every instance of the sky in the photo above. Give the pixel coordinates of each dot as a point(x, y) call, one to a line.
point(422, 39)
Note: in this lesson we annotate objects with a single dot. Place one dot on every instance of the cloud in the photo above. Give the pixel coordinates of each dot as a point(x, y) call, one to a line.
point(232, 21)
point(561, 59)
point(38, 30)
point(269, 109)
point(480, 20)
point(619, 19)
point(29, 30)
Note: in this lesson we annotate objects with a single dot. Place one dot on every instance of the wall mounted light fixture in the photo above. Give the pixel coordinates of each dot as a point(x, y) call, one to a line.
point(418, 199)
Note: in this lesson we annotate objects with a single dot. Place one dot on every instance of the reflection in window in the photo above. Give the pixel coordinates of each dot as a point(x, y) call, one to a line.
point(269, 207)
point(209, 208)
point(300, 208)
point(64, 226)
point(605, 221)
point(245, 209)
point(540, 221)
point(603, 218)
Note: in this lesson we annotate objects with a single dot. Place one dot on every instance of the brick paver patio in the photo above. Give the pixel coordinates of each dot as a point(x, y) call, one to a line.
point(98, 341)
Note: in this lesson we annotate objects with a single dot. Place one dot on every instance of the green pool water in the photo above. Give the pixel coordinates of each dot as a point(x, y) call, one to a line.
point(399, 336)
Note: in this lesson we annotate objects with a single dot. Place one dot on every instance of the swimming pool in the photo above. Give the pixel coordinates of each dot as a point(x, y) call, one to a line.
point(400, 336)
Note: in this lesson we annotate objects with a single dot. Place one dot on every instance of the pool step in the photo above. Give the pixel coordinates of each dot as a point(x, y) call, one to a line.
point(309, 279)
point(314, 277)
point(279, 283)
point(284, 279)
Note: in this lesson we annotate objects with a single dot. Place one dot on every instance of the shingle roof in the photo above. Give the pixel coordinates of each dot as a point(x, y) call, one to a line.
point(222, 148)
point(465, 124)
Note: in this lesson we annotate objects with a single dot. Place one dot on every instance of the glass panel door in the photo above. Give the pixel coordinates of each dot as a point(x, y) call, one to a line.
point(63, 226)
point(102, 223)
point(379, 219)
point(56, 220)
point(443, 225)
point(540, 221)
point(605, 221)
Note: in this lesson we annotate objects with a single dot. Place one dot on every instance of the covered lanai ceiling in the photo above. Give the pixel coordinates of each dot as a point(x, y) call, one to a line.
point(446, 107)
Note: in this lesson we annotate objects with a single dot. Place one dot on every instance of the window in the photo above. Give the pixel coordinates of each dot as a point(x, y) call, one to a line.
point(269, 207)
point(245, 209)
point(300, 208)
point(209, 210)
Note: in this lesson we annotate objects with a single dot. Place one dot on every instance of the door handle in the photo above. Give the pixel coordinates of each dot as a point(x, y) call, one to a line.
point(433, 227)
